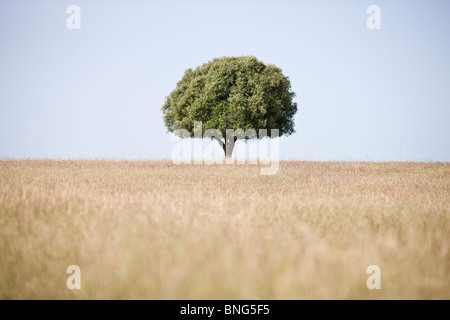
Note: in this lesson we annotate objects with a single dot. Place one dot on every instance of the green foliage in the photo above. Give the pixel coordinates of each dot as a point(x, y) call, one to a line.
point(232, 93)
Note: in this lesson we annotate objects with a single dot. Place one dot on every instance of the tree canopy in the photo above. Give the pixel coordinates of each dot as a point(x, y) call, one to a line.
point(232, 93)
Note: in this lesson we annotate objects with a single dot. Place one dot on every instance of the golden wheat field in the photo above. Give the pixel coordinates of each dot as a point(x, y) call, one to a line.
point(156, 230)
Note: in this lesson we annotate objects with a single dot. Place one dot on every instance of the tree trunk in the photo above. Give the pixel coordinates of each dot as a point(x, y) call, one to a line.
point(227, 146)
point(228, 150)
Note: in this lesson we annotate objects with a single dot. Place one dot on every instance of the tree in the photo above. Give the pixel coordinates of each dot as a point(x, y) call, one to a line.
point(232, 93)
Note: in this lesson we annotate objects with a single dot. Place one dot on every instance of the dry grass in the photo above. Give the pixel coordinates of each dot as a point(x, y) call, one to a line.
point(155, 230)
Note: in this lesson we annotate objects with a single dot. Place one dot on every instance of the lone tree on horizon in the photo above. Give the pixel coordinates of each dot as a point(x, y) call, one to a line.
point(232, 93)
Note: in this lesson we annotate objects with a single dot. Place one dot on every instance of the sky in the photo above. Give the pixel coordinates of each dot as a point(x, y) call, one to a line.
point(96, 92)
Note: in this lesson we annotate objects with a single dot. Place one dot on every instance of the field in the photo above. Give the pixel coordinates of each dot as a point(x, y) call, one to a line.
point(156, 230)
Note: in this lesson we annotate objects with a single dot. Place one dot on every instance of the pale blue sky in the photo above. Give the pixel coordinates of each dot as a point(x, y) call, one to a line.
point(97, 92)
